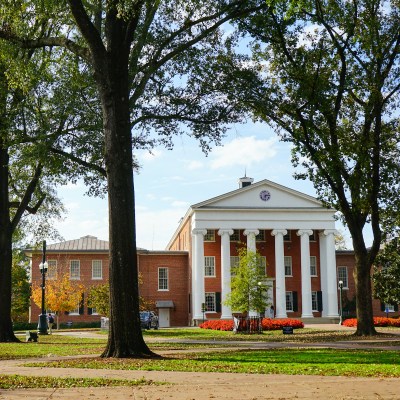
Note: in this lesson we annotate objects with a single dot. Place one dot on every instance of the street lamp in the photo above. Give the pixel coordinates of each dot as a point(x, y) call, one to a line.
point(42, 326)
point(340, 303)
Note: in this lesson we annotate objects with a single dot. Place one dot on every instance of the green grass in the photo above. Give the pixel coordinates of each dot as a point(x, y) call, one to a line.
point(49, 345)
point(364, 363)
point(28, 382)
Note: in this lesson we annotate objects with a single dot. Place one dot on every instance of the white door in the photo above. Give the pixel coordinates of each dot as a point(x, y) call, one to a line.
point(163, 317)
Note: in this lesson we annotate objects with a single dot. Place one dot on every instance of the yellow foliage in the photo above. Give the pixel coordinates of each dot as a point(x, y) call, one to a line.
point(61, 294)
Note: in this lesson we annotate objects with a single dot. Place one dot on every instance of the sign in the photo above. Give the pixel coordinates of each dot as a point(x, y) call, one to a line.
point(287, 330)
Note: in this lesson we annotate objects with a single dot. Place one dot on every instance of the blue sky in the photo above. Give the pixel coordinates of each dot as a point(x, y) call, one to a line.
point(170, 181)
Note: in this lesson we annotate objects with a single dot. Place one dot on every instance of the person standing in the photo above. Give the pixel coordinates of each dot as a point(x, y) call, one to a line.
point(50, 323)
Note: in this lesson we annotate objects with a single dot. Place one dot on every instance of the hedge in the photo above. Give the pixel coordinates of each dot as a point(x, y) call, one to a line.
point(378, 321)
point(268, 324)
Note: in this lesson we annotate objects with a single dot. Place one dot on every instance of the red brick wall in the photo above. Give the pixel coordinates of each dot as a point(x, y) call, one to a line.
point(63, 267)
point(177, 281)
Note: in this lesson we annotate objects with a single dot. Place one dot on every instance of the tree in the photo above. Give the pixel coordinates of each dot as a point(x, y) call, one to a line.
point(151, 62)
point(33, 120)
point(248, 284)
point(99, 298)
point(21, 290)
point(386, 276)
point(62, 295)
point(326, 76)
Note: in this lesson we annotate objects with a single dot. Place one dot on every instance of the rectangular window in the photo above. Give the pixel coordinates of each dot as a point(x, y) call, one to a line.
point(97, 269)
point(261, 236)
point(314, 301)
point(234, 264)
point(289, 301)
point(210, 235)
point(52, 269)
point(209, 266)
point(162, 278)
point(312, 237)
point(235, 237)
point(210, 302)
point(94, 311)
point(288, 266)
point(75, 269)
point(313, 266)
point(343, 276)
point(263, 264)
point(75, 311)
point(288, 236)
point(389, 308)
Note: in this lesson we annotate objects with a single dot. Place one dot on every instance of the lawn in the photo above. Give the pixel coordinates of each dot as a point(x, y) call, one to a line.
point(333, 362)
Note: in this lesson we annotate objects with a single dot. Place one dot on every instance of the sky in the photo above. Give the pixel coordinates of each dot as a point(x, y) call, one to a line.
point(169, 181)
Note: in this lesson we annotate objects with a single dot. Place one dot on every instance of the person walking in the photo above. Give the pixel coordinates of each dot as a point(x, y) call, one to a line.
point(50, 322)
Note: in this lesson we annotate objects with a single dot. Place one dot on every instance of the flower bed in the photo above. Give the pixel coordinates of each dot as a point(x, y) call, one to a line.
point(378, 321)
point(268, 324)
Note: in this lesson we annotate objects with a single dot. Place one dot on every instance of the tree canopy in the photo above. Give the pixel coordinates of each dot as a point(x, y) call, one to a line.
point(326, 76)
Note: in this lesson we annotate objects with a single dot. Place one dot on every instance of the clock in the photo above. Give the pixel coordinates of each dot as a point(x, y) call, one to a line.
point(265, 195)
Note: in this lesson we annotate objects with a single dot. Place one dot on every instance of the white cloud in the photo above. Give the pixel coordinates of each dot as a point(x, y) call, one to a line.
point(244, 151)
point(151, 156)
point(194, 165)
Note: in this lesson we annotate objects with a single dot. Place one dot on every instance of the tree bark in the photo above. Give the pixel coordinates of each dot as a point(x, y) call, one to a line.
point(125, 336)
point(6, 326)
point(362, 279)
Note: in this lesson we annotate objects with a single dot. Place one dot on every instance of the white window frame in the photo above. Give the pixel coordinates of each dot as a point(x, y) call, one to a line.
point(314, 301)
point(235, 237)
point(343, 277)
point(97, 264)
point(389, 308)
point(261, 235)
point(210, 235)
point(76, 310)
point(211, 306)
point(75, 276)
point(313, 266)
point(209, 266)
point(51, 270)
point(163, 281)
point(289, 301)
point(288, 264)
point(263, 264)
point(234, 263)
point(94, 311)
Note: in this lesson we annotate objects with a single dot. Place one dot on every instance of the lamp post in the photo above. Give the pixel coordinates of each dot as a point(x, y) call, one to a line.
point(42, 326)
point(340, 303)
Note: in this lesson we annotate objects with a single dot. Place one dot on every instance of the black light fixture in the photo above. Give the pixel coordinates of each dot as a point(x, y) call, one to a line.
point(42, 326)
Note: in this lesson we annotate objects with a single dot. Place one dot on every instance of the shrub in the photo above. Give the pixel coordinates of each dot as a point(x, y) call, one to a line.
point(268, 324)
point(378, 321)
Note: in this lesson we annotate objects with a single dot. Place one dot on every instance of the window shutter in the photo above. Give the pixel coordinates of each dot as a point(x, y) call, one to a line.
point(89, 310)
point(382, 306)
point(295, 303)
point(218, 301)
point(66, 312)
point(319, 301)
point(81, 305)
point(396, 307)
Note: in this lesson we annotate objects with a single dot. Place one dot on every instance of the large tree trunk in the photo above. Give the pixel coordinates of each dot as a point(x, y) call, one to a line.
point(362, 278)
point(6, 326)
point(125, 336)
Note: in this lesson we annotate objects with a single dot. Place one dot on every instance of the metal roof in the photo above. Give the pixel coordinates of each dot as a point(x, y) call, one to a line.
point(85, 243)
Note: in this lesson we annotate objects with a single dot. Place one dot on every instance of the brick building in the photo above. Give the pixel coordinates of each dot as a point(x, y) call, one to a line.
point(292, 232)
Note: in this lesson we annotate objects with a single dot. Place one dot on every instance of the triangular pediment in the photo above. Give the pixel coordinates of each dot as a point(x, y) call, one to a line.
point(263, 194)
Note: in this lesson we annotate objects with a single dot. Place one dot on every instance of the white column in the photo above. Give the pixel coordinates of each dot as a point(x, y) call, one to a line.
point(305, 273)
point(225, 271)
point(251, 238)
point(198, 294)
point(280, 309)
point(323, 268)
point(331, 277)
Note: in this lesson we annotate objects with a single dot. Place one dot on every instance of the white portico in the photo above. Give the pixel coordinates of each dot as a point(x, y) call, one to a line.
point(293, 231)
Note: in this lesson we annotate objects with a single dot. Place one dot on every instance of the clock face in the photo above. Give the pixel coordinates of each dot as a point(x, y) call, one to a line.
point(265, 195)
